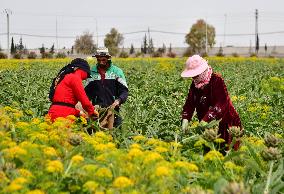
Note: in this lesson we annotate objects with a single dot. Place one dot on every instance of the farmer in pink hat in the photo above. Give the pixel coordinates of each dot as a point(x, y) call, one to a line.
point(208, 95)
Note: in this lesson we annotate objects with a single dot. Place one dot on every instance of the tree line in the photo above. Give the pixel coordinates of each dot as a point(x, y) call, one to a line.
point(84, 44)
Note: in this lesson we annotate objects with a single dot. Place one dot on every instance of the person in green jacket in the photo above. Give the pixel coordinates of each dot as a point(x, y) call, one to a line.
point(107, 85)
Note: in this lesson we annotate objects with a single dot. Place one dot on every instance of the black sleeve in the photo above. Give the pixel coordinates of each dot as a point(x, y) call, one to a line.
point(122, 92)
point(89, 89)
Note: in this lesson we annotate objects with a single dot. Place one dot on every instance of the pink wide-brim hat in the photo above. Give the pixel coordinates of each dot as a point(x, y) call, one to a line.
point(194, 66)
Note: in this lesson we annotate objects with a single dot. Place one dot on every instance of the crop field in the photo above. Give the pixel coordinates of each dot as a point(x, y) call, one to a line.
point(149, 153)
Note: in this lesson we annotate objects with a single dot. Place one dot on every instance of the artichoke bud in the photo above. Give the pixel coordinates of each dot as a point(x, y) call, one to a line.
point(271, 141)
point(234, 188)
point(271, 153)
point(75, 139)
point(235, 131)
point(211, 134)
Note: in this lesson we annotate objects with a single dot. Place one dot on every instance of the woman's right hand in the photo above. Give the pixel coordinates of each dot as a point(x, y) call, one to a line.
point(184, 125)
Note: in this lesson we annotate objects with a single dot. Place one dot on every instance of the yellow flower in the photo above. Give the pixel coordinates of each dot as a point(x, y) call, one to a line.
point(175, 144)
point(152, 156)
point(243, 148)
point(162, 171)
point(20, 180)
point(90, 168)
point(49, 151)
point(14, 152)
point(219, 140)
point(90, 186)
point(44, 126)
point(102, 157)
point(200, 142)
point(77, 159)
point(230, 165)
point(16, 184)
point(160, 149)
point(13, 187)
point(139, 138)
point(25, 173)
point(54, 166)
point(122, 182)
point(134, 152)
point(104, 147)
point(36, 121)
point(21, 125)
point(152, 142)
point(213, 155)
point(104, 173)
point(186, 165)
point(135, 145)
point(3, 178)
point(36, 191)
point(234, 98)
point(83, 120)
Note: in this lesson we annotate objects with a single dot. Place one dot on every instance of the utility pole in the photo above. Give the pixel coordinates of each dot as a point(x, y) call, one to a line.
point(206, 36)
point(97, 33)
point(225, 24)
point(8, 12)
point(56, 36)
point(256, 32)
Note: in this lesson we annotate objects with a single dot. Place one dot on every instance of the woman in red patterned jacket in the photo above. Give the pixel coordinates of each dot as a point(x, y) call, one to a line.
point(67, 89)
point(209, 96)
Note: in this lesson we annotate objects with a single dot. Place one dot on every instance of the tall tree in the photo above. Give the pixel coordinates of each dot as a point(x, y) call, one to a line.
point(132, 50)
point(13, 49)
point(85, 44)
point(113, 40)
point(72, 50)
point(21, 46)
point(144, 47)
point(151, 46)
point(164, 48)
point(196, 38)
point(42, 49)
point(52, 49)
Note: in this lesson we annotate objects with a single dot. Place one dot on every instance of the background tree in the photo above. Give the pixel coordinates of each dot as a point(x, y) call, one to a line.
point(13, 49)
point(164, 48)
point(72, 50)
point(144, 45)
point(52, 49)
point(42, 49)
point(113, 40)
point(132, 50)
point(85, 44)
point(196, 38)
point(20, 47)
point(151, 46)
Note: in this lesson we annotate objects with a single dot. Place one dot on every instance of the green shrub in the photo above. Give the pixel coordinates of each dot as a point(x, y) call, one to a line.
point(235, 54)
point(123, 54)
point(18, 56)
point(32, 55)
point(60, 55)
point(3, 56)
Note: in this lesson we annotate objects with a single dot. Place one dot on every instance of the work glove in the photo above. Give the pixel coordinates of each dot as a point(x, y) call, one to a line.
point(95, 115)
point(184, 125)
point(82, 114)
point(115, 103)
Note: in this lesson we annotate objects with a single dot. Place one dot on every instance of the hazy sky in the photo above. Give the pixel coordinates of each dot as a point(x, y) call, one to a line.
point(237, 17)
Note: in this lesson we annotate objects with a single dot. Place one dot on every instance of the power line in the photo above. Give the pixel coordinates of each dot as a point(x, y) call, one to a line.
point(139, 32)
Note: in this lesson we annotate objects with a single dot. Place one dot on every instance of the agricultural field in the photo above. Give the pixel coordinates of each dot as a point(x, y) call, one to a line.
point(149, 153)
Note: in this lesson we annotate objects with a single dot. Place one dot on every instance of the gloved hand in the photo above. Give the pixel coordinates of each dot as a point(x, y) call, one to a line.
point(115, 103)
point(184, 125)
point(95, 115)
point(82, 114)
